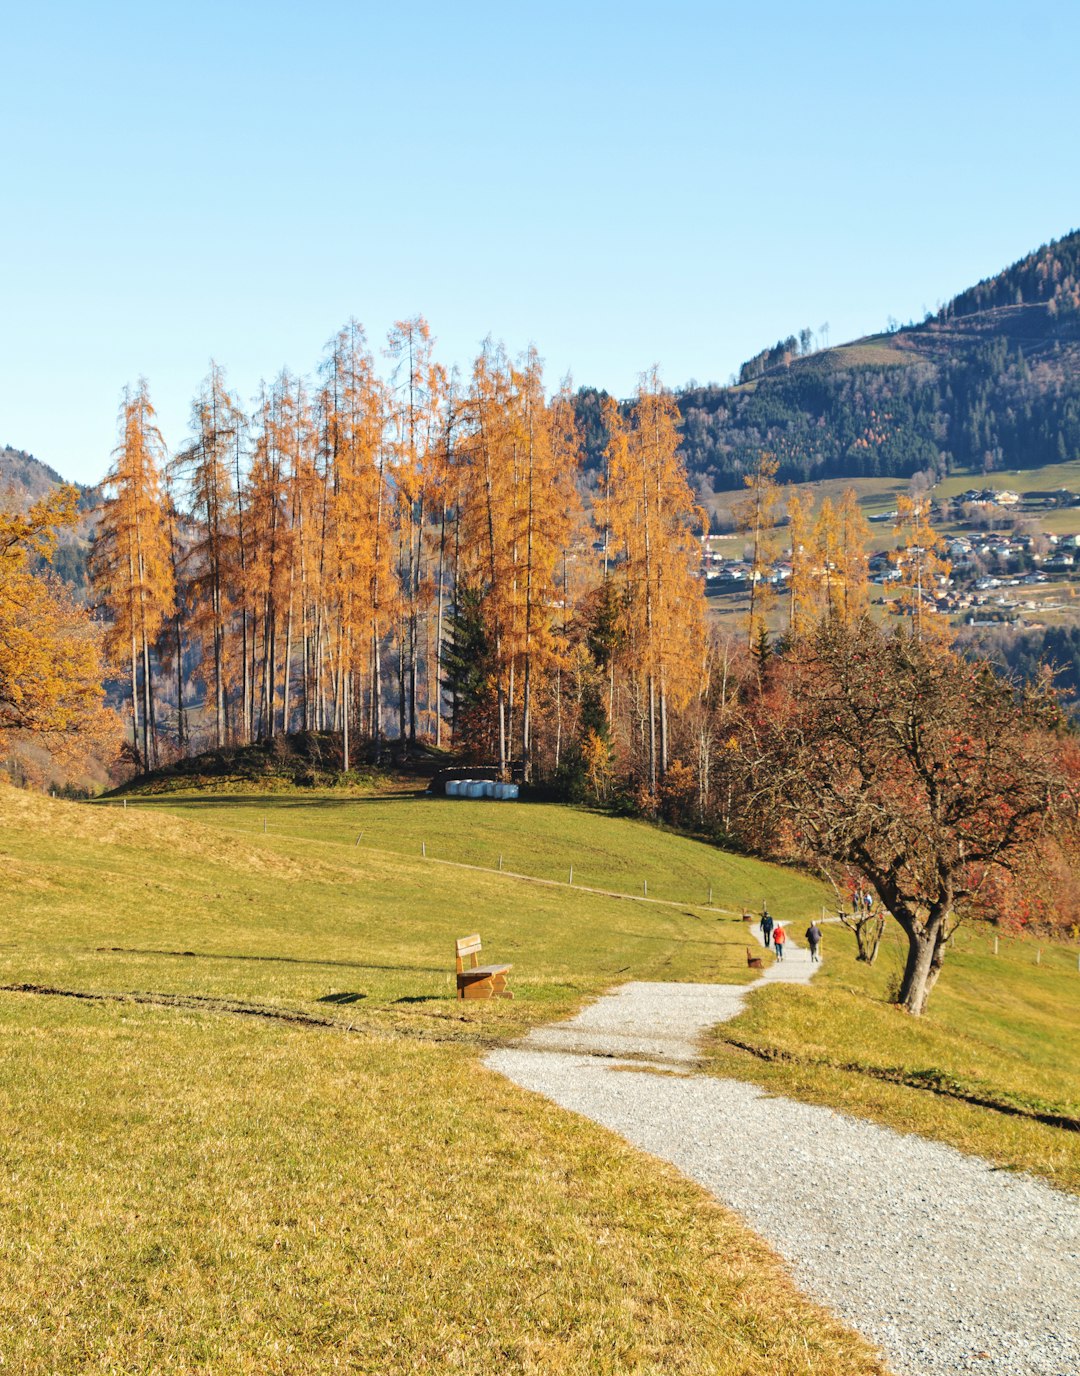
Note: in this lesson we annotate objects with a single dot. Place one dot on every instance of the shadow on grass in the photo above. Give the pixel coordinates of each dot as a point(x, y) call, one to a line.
point(344, 998)
point(283, 960)
point(265, 801)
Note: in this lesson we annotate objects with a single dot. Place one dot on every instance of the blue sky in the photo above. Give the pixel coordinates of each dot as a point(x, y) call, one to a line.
point(621, 185)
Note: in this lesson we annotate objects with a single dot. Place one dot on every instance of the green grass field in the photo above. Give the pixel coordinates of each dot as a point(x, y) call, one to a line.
point(1000, 1028)
point(194, 1184)
point(540, 840)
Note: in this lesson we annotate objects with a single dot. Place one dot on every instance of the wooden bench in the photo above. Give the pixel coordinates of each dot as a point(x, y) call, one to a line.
point(479, 981)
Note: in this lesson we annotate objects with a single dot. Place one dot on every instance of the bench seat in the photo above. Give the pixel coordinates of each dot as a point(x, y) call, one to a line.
point(479, 981)
point(485, 971)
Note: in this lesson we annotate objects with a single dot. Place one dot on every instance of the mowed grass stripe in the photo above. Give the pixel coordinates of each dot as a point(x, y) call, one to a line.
point(535, 839)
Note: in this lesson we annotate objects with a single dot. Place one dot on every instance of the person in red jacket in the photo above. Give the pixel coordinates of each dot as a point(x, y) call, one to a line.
point(779, 936)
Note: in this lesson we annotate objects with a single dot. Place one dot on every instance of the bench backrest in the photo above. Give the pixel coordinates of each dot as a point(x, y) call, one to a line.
point(468, 946)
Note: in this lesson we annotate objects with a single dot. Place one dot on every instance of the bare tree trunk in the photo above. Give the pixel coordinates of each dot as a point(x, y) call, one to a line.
point(285, 668)
point(345, 728)
point(149, 743)
point(663, 728)
point(139, 764)
point(926, 951)
point(439, 635)
point(868, 930)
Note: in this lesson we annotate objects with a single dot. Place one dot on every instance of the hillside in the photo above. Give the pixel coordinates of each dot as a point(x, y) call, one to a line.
point(992, 381)
point(24, 475)
point(24, 479)
point(256, 1135)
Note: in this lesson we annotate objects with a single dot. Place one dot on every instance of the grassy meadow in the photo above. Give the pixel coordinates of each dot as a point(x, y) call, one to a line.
point(1003, 1029)
point(195, 1183)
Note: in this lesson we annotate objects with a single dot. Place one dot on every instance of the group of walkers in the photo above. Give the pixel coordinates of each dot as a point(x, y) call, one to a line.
point(773, 933)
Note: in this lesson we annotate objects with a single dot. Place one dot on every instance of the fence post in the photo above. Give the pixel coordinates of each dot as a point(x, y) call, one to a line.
point(358, 839)
point(645, 888)
point(710, 895)
point(423, 849)
point(500, 864)
point(995, 945)
point(571, 874)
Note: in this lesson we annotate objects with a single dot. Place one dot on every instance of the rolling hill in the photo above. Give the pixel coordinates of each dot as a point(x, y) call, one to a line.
point(991, 381)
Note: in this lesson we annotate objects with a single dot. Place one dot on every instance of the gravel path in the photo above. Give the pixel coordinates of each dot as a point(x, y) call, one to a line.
point(948, 1265)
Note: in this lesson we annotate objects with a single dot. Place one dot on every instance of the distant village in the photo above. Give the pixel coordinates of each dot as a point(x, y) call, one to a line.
point(994, 568)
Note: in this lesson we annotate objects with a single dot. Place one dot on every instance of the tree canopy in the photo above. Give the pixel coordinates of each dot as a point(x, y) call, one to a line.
point(50, 651)
point(927, 773)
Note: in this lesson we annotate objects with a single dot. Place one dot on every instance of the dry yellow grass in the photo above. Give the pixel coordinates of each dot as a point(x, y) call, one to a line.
point(201, 1192)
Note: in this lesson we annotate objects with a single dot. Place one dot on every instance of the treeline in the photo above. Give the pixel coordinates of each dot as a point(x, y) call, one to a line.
point(405, 558)
point(781, 354)
point(1050, 276)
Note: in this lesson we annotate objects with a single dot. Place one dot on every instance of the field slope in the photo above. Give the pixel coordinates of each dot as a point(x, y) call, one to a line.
point(194, 1183)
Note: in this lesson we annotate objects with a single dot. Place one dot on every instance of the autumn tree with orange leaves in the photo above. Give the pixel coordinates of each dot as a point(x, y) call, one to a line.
point(655, 523)
point(755, 513)
point(418, 389)
point(517, 502)
point(214, 573)
point(131, 568)
point(51, 652)
point(926, 774)
point(359, 596)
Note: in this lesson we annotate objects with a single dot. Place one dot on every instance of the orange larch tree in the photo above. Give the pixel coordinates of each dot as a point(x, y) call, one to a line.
point(268, 558)
point(131, 566)
point(417, 387)
point(209, 465)
point(756, 515)
point(358, 564)
point(653, 518)
point(51, 652)
point(920, 562)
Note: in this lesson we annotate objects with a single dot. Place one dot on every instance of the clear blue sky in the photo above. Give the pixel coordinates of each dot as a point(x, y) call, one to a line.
point(620, 184)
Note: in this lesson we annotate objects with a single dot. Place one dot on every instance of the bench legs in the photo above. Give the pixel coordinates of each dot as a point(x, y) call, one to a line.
point(494, 986)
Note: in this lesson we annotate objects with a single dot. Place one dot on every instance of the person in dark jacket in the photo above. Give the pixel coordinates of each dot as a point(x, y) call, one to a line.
point(766, 925)
point(813, 939)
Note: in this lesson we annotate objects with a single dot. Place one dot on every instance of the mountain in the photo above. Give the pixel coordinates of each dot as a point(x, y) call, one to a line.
point(28, 478)
point(991, 381)
point(24, 480)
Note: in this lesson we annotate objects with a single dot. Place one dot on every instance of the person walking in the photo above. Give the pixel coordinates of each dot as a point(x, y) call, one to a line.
point(813, 939)
point(779, 937)
point(766, 925)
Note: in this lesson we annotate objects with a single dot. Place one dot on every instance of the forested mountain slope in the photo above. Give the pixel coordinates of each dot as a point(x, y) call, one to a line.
point(25, 480)
point(992, 381)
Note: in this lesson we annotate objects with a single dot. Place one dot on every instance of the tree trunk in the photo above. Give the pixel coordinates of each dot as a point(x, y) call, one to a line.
point(437, 694)
point(868, 933)
point(139, 763)
point(926, 952)
point(149, 743)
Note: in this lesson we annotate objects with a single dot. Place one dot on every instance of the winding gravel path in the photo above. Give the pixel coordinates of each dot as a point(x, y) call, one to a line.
point(947, 1264)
